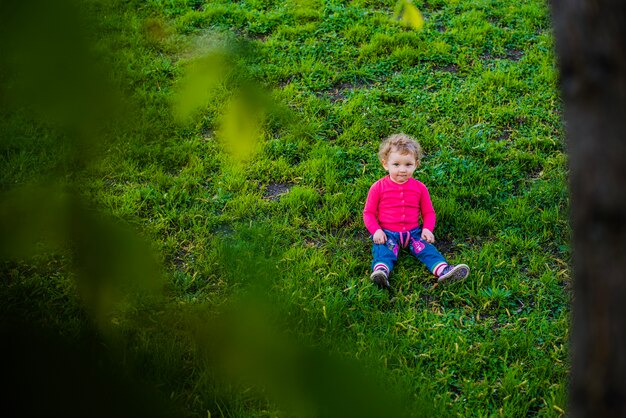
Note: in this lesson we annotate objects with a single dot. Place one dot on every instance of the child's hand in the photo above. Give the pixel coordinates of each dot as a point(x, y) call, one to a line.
point(428, 236)
point(380, 237)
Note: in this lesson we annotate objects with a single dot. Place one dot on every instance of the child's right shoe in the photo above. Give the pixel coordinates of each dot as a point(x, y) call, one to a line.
point(452, 274)
point(380, 278)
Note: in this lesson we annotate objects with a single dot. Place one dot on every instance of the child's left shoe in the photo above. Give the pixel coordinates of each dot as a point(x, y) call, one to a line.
point(453, 274)
point(380, 278)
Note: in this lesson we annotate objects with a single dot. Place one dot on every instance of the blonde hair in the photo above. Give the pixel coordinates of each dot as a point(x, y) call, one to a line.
point(401, 143)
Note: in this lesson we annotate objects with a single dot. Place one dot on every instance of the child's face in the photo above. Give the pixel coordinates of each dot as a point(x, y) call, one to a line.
point(400, 166)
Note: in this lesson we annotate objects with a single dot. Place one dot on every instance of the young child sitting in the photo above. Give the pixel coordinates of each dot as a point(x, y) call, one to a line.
point(392, 210)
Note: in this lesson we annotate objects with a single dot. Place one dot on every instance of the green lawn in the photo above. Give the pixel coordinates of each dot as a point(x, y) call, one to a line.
point(182, 187)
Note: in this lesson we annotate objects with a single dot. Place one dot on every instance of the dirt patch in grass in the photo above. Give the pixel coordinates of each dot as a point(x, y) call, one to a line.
point(512, 54)
point(338, 92)
point(275, 190)
point(183, 258)
point(450, 68)
point(504, 136)
point(284, 83)
point(445, 247)
point(207, 133)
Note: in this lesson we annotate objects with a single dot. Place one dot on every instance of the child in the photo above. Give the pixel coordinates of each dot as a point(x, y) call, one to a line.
point(392, 210)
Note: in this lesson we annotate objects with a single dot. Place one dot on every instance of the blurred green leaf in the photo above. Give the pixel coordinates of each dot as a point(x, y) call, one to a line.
point(112, 264)
point(409, 15)
point(197, 88)
point(241, 127)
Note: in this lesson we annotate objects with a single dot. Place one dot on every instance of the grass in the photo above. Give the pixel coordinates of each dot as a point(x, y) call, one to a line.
point(238, 141)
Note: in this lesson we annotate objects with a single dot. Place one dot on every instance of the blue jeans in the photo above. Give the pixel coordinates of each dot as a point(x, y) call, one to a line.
point(387, 254)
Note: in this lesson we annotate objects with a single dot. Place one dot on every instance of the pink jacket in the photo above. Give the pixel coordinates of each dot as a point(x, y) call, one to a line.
point(397, 207)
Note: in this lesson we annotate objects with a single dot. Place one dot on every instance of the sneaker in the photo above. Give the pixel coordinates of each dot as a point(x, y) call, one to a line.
point(452, 274)
point(380, 278)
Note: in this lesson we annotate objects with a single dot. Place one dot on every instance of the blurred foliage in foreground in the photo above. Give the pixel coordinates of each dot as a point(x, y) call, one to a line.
point(180, 197)
point(60, 110)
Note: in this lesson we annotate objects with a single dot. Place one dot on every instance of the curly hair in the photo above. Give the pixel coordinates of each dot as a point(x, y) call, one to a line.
point(402, 143)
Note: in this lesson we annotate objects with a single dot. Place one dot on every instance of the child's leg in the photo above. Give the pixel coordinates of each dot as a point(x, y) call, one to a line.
point(435, 262)
point(427, 254)
point(385, 255)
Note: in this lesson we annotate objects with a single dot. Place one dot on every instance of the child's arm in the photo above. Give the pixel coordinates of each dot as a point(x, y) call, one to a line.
point(428, 216)
point(370, 213)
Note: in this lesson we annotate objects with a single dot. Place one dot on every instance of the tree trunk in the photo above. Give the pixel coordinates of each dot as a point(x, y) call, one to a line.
point(591, 49)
